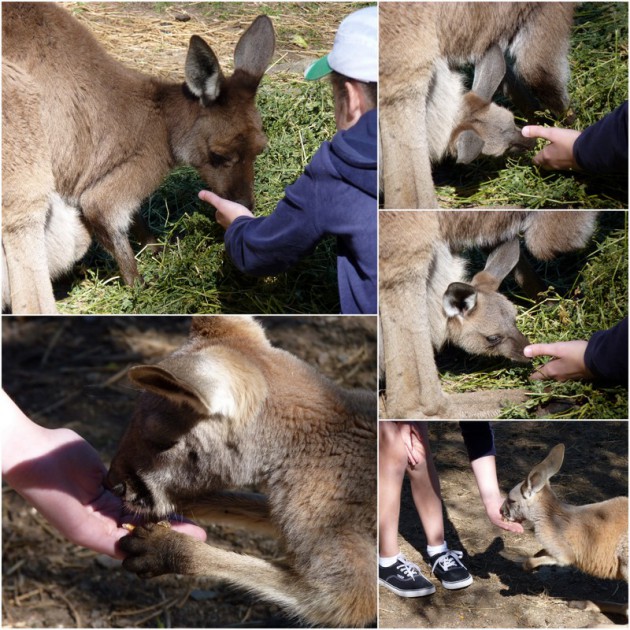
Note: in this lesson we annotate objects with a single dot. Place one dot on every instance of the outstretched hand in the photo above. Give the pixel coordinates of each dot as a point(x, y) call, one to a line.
point(227, 211)
point(558, 154)
point(567, 364)
point(62, 476)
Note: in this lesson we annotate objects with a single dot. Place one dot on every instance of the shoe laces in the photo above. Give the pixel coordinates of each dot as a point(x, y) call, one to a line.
point(448, 560)
point(408, 569)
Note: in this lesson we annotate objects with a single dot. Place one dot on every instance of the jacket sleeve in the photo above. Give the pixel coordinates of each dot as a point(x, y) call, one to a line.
point(603, 147)
point(478, 438)
point(606, 354)
point(269, 245)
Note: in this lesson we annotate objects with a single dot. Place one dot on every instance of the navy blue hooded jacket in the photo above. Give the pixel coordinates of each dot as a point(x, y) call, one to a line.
point(336, 195)
point(606, 354)
point(603, 147)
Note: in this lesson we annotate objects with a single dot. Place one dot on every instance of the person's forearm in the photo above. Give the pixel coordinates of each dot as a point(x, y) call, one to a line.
point(485, 473)
point(22, 439)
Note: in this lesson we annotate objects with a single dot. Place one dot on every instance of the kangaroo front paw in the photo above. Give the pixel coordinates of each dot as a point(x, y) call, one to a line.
point(153, 549)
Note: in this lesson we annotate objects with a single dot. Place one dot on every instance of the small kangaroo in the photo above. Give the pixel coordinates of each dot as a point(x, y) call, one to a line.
point(420, 41)
point(101, 137)
point(593, 537)
point(410, 243)
point(228, 410)
point(473, 315)
point(468, 124)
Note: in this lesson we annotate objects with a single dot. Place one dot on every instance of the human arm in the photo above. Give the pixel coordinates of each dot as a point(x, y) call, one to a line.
point(484, 469)
point(271, 244)
point(479, 441)
point(62, 476)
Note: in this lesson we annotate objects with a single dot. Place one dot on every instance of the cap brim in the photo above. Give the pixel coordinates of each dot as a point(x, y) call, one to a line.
point(318, 69)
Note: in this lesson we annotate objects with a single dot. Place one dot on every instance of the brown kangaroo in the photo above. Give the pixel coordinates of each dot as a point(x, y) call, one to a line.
point(228, 410)
point(593, 537)
point(101, 137)
point(419, 39)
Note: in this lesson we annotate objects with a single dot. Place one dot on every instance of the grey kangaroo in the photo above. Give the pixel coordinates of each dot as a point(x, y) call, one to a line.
point(593, 537)
point(101, 137)
point(419, 41)
point(410, 243)
point(473, 315)
point(228, 410)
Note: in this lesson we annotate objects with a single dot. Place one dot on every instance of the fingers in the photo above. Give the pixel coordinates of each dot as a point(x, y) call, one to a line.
point(536, 131)
point(209, 197)
point(541, 349)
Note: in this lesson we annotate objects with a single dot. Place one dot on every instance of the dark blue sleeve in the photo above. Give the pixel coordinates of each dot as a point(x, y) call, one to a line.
point(478, 438)
point(607, 353)
point(269, 245)
point(603, 147)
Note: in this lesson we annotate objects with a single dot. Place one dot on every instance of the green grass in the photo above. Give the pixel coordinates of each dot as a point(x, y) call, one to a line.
point(588, 291)
point(599, 83)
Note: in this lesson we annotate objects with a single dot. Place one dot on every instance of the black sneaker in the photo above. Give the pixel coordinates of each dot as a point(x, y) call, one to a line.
point(447, 567)
point(405, 579)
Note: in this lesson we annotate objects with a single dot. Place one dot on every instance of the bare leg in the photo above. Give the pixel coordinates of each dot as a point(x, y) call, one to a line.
point(392, 466)
point(425, 488)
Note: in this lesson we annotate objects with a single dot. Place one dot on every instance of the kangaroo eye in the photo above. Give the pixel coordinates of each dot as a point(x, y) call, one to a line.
point(493, 340)
point(162, 446)
point(216, 159)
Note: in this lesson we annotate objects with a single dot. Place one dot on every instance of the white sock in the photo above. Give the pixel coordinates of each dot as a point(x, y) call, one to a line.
point(434, 549)
point(385, 561)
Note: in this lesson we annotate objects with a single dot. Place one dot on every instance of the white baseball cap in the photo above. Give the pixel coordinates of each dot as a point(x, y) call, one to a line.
point(355, 49)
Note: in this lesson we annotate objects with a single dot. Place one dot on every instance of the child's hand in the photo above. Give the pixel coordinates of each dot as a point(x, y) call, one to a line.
point(227, 210)
point(558, 155)
point(568, 363)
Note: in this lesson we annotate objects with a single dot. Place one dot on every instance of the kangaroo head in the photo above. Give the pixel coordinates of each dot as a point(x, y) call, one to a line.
point(186, 434)
point(480, 319)
point(227, 136)
point(522, 500)
point(485, 127)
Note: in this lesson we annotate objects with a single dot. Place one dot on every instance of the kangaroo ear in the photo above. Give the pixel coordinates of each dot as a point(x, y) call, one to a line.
point(254, 50)
point(540, 474)
point(500, 262)
point(158, 380)
point(489, 72)
point(459, 299)
point(202, 71)
point(468, 146)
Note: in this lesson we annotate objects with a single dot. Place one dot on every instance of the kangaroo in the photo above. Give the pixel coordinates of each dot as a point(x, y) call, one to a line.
point(409, 242)
point(593, 537)
point(473, 315)
point(101, 136)
point(468, 124)
point(417, 40)
point(228, 410)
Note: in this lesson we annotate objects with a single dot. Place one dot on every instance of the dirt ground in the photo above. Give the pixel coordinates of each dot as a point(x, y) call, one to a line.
point(502, 595)
point(70, 371)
